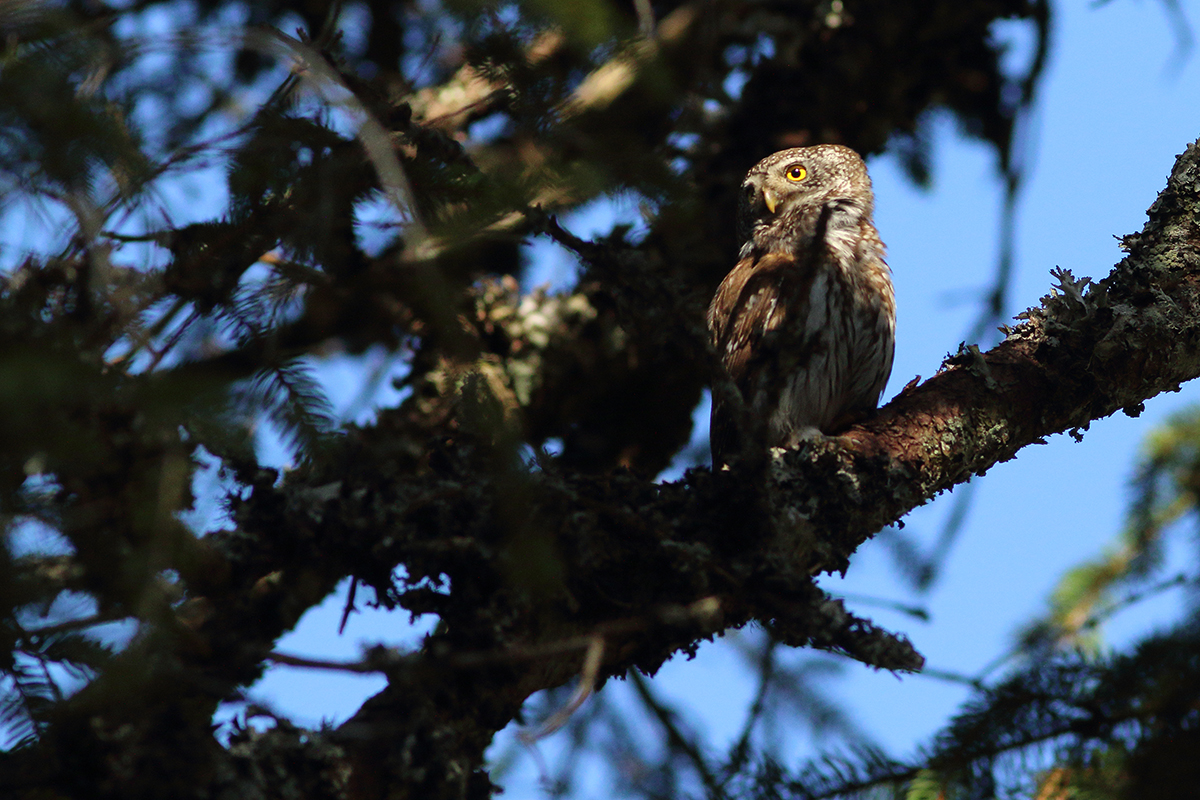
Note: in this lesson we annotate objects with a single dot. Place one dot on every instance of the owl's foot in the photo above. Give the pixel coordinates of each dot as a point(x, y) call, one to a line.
point(807, 434)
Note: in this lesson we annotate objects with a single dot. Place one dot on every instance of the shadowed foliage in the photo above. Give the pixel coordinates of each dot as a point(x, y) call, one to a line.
point(203, 200)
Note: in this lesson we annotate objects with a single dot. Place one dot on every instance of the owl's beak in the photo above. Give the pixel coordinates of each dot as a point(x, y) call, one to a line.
point(770, 199)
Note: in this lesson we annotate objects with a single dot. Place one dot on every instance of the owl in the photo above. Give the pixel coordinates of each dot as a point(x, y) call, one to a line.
point(805, 322)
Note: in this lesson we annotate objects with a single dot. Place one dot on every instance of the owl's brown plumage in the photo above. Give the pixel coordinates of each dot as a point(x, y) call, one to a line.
point(805, 321)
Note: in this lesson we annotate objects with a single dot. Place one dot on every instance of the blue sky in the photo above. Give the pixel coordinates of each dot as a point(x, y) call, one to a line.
point(1115, 107)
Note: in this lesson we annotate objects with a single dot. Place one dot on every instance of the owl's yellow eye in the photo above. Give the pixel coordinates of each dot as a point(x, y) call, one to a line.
point(796, 173)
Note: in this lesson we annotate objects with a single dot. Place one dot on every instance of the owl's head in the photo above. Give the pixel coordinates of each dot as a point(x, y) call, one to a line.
point(785, 194)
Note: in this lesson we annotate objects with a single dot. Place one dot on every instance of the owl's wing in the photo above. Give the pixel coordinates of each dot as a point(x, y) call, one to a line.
point(752, 303)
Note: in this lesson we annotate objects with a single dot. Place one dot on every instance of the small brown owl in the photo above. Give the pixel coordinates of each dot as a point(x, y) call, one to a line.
point(805, 322)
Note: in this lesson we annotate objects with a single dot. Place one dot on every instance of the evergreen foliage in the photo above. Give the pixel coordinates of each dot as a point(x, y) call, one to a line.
point(202, 199)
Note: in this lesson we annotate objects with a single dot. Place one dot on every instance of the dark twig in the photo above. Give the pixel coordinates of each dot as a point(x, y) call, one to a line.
point(677, 740)
point(385, 659)
point(740, 752)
